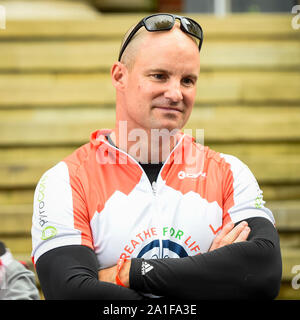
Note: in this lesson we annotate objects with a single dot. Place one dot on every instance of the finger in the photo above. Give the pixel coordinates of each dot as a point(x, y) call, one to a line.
point(226, 229)
point(243, 235)
point(234, 233)
point(218, 239)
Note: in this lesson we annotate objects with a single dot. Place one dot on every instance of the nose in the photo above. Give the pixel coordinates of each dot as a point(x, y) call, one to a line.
point(173, 92)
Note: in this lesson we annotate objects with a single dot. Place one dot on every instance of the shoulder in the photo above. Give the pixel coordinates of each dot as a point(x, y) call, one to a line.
point(238, 168)
point(226, 166)
point(58, 178)
point(79, 157)
point(222, 160)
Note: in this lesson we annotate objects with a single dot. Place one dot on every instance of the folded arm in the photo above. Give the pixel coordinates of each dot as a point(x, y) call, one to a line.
point(242, 270)
point(71, 272)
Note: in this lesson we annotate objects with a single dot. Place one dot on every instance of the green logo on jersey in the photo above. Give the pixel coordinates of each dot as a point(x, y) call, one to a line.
point(259, 202)
point(48, 232)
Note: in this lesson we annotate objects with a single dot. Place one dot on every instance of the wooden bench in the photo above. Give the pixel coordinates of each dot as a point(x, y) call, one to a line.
point(55, 89)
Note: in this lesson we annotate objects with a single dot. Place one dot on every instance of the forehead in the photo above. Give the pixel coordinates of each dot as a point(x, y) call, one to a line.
point(172, 48)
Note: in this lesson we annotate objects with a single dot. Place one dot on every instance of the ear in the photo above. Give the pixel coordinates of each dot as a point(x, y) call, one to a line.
point(119, 75)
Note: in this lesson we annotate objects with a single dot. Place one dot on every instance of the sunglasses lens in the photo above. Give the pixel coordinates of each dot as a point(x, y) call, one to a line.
point(159, 22)
point(192, 28)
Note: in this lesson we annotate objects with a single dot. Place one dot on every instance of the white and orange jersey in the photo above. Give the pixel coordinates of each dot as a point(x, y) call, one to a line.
point(100, 197)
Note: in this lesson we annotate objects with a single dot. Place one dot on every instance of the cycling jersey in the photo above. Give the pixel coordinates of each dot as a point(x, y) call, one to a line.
point(100, 197)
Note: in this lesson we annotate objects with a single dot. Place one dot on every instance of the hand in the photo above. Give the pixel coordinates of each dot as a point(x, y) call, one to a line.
point(230, 234)
point(109, 274)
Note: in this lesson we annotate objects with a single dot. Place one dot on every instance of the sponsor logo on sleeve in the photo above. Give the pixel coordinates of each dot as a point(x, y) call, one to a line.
point(48, 233)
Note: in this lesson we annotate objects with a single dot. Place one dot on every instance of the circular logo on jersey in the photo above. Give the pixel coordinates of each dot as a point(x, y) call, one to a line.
point(162, 249)
point(48, 232)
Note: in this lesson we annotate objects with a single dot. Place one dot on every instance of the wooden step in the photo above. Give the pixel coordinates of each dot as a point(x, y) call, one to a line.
point(44, 90)
point(287, 292)
point(73, 126)
point(252, 27)
point(54, 10)
point(290, 258)
point(287, 217)
point(270, 163)
point(99, 55)
point(283, 170)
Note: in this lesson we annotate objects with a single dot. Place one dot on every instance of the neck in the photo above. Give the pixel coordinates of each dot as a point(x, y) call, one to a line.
point(146, 146)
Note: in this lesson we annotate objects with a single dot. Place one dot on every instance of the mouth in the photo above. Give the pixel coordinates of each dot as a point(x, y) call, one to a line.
point(168, 109)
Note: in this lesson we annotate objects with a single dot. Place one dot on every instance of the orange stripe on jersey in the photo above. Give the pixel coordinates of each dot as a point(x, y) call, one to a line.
point(228, 195)
point(93, 183)
point(193, 167)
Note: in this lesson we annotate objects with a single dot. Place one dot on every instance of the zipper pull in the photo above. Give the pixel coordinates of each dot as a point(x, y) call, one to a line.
point(154, 187)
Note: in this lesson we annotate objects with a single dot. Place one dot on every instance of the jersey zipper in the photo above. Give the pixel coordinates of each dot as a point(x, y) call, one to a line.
point(154, 184)
point(129, 156)
point(154, 187)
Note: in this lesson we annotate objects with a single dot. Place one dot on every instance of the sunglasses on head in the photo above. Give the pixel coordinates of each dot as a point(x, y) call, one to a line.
point(163, 22)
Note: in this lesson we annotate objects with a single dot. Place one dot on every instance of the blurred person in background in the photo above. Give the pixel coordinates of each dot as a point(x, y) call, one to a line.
point(16, 281)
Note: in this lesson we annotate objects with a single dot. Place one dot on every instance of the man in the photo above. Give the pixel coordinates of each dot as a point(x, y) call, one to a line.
point(119, 219)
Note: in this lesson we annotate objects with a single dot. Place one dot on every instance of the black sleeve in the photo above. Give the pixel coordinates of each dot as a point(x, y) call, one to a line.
point(247, 270)
point(71, 272)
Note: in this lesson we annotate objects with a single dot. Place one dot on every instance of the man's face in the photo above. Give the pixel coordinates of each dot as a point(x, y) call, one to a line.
point(160, 89)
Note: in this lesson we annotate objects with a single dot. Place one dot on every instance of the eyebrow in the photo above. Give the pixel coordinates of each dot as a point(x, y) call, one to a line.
point(192, 75)
point(157, 71)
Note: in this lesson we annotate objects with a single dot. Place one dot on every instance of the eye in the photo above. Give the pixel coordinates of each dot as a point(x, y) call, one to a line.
point(158, 76)
point(188, 82)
